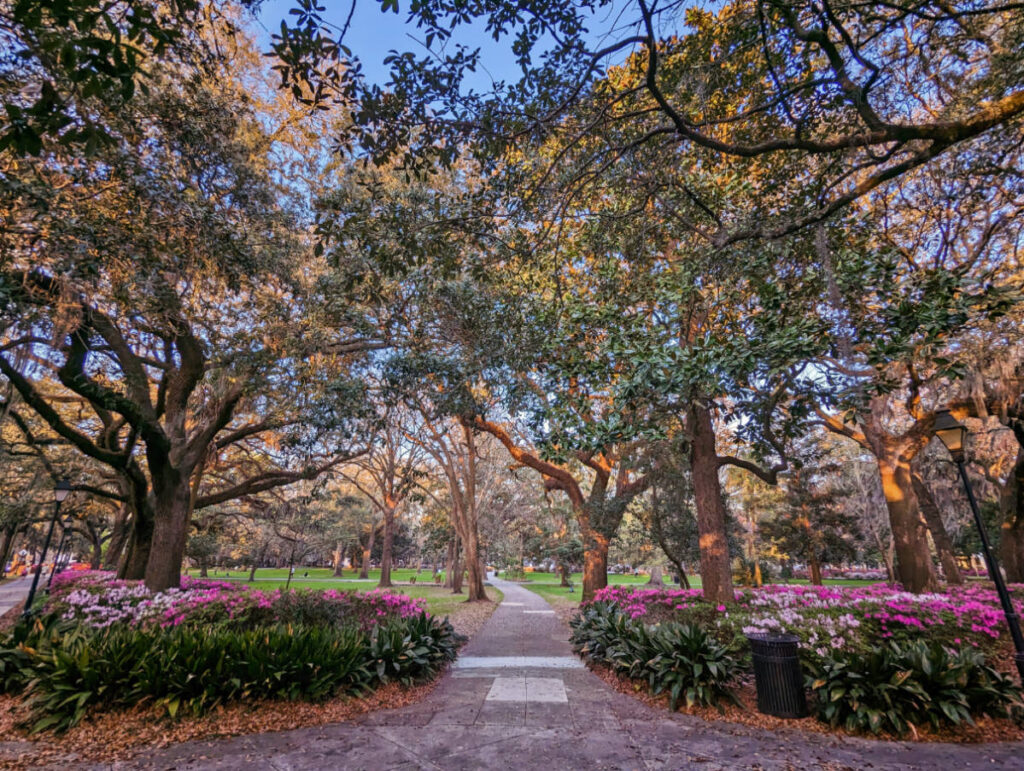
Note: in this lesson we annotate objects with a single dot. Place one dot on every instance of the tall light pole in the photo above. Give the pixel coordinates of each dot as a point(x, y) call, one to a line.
point(64, 527)
point(953, 434)
point(60, 492)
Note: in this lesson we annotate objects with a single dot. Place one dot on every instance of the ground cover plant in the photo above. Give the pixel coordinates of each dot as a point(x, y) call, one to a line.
point(100, 642)
point(681, 660)
point(898, 685)
point(877, 658)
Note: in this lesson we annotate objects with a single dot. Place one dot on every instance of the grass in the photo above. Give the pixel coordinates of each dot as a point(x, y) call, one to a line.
point(400, 575)
point(547, 585)
point(440, 601)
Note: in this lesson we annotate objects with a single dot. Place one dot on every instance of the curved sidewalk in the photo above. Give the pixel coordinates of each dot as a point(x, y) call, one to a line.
point(518, 699)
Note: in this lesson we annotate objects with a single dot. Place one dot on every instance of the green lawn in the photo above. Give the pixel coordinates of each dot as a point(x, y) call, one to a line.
point(440, 601)
point(547, 585)
point(399, 575)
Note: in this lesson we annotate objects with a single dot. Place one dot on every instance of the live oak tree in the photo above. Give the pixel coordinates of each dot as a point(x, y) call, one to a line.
point(154, 286)
point(461, 456)
point(994, 389)
point(810, 525)
point(853, 96)
point(901, 297)
point(71, 52)
point(386, 474)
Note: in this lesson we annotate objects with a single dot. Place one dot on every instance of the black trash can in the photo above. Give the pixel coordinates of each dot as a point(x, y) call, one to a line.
point(777, 674)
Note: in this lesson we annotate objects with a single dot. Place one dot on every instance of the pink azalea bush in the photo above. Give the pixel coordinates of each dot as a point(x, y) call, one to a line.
point(98, 600)
point(831, 617)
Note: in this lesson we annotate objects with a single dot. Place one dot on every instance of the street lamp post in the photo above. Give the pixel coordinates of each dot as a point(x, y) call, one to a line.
point(65, 526)
point(952, 434)
point(60, 492)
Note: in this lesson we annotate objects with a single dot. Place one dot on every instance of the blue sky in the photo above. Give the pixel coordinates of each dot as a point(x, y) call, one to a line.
point(373, 34)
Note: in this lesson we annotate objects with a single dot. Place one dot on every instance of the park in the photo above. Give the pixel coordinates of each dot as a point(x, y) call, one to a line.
point(511, 385)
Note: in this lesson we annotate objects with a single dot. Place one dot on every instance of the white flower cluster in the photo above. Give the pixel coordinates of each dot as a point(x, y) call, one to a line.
point(812, 627)
point(131, 604)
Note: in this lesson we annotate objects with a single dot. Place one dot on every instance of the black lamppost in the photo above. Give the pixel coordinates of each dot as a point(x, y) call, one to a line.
point(952, 433)
point(60, 492)
point(65, 526)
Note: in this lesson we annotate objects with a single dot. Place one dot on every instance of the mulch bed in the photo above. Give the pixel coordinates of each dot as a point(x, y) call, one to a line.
point(984, 730)
point(470, 616)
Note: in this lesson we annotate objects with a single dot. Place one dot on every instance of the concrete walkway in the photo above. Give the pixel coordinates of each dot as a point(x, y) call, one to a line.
point(14, 592)
point(518, 699)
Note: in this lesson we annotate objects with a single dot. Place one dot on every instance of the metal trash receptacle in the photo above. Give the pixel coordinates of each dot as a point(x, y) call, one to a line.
point(777, 675)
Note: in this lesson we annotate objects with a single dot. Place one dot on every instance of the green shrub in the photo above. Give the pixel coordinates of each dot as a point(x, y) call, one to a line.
point(596, 628)
point(191, 669)
point(29, 641)
point(903, 684)
point(680, 659)
point(65, 672)
point(411, 649)
point(690, 664)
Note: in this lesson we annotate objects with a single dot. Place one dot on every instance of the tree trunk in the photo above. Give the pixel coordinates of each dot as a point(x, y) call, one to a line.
point(471, 547)
point(339, 559)
point(355, 555)
point(933, 519)
point(204, 571)
point(563, 570)
point(457, 571)
point(815, 569)
point(885, 549)
point(681, 577)
point(655, 579)
point(449, 565)
point(388, 546)
point(1011, 504)
point(96, 555)
point(118, 538)
point(364, 565)
point(715, 574)
point(909, 531)
point(143, 524)
point(595, 563)
point(172, 516)
point(5, 547)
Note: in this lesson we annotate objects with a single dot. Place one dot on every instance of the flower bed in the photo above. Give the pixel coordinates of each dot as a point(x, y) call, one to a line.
point(876, 658)
point(100, 643)
point(95, 599)
point(832, 617)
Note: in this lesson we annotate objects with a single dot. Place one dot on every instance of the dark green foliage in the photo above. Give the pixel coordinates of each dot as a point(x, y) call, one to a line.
point(191, 669)
point(30, 640)
point(679, 659)
point(65, 672)
point(412, 649)
point(900, 685)
point(690, 665)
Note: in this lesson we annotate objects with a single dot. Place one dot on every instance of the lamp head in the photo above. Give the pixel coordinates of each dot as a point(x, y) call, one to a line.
point(61, 490)
point(951, 433)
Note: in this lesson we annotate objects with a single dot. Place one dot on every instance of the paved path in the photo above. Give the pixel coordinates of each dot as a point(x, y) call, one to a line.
point(518, 699)
point(14, 592)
